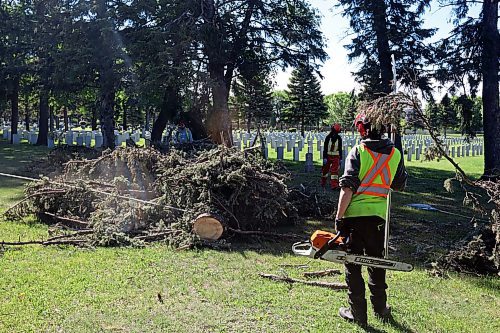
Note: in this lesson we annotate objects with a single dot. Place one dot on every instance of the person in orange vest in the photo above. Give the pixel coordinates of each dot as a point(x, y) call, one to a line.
point(372, 169)
point(332, 155)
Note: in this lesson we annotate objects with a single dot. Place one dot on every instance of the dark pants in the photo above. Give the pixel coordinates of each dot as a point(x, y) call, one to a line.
point(367, 237)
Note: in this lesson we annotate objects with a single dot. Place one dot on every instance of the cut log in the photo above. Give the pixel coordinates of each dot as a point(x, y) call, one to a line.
point(207, 227)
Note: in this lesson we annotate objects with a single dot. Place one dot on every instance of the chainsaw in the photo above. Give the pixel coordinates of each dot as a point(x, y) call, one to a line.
point(332, 247)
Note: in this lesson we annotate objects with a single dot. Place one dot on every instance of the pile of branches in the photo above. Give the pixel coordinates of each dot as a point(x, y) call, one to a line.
point(395, 110)
point(57, 158)
point(480, 253)
point(131, 196)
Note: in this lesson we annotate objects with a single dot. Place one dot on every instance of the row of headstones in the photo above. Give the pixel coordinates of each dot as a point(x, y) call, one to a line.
point(459, 151)
point(78, 138)
point(408, 139)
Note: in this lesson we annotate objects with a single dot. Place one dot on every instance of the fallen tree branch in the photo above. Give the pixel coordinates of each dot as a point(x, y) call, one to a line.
point(31, 196)
point(78, 223)
point(158, 236)
point(47, 242)
point(329, 285)
point(265, 234)
point(327, 272)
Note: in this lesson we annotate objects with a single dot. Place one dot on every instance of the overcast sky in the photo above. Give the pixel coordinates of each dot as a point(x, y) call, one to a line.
point(337, 70)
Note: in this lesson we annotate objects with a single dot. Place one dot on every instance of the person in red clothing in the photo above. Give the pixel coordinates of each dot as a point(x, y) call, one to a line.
point(332, 155)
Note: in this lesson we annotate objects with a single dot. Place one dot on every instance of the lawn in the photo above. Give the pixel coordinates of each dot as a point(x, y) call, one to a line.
point(158, 289)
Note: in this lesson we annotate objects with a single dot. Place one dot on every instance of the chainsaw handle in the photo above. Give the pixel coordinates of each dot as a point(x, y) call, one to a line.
point(327, 246)
point(302, 248)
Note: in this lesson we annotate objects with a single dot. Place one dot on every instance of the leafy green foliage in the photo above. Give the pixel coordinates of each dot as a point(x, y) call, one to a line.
point(341, 108)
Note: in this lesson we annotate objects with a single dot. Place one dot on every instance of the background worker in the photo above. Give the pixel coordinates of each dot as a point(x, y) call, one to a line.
point(332, 154)
point(372, 168)
point(183, 134)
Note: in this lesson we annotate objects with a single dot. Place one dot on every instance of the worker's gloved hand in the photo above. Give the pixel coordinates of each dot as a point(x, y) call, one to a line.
point(325, 161)
point(339, 225)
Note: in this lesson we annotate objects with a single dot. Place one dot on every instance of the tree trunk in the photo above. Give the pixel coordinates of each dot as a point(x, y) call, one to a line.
point(379, 10)
point(51, 119)
point(107, 117)
point(170, 108)
point(14, 101)
point(302, 127)
point(26, 112)
point(491, 50)
point(249, 124)
point(105, 53)
point(43, 119)
point(219, 120)
point(66, 121)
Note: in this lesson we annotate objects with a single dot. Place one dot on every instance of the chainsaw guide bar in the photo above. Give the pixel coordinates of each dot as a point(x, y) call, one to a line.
point(306, 249)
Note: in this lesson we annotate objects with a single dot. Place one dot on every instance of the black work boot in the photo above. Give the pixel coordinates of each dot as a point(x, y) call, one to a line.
point(385, 314)
point(346, 313)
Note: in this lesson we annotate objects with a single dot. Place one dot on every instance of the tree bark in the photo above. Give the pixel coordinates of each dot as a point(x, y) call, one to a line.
point(43, 119)
point(51, 119)
point(379, 10)
point(219, 120)
point(170, 108)
point(66, 121)
point(105, 54)
point(107, 116)
point(14, 101)
point(491, 51)
point(26, 113)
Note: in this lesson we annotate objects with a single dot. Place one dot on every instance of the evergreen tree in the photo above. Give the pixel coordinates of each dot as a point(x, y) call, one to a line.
point(468, 57)
point(280, 105)
point(307, 105)
point(470, 112)
point(382, 28)
point(254, 97)
point(447, 114)
point(432, 112)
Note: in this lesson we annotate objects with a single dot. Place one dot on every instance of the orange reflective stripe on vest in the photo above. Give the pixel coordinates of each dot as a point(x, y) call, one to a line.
point(380, 168)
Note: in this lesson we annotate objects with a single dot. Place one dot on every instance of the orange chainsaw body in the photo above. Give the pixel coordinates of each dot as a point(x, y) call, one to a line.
point(320, 238)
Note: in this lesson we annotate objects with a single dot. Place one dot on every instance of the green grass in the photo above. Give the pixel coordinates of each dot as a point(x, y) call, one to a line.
point(65, 289)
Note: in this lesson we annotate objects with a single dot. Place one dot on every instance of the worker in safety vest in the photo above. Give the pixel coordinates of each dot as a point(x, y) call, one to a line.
point(183, 134)
point(372, 169)
point(332, 155)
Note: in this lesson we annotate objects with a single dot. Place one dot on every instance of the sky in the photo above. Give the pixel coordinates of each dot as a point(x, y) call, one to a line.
point(337, 70)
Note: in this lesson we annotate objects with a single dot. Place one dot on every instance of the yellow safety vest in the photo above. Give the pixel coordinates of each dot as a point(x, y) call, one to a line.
point(376, 174)
point(333, 147)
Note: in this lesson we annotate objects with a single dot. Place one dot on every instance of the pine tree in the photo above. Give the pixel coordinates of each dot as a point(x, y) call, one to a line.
point(432, 113)
point(253, 97)
point(468, 57)
point(307, 105)
point(382, 28)
point(447, 114)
